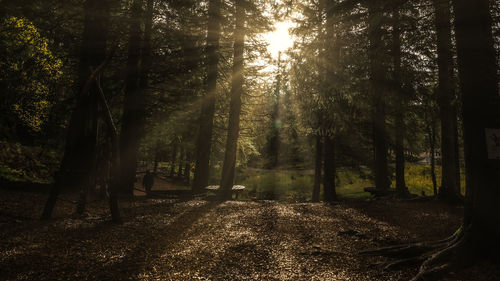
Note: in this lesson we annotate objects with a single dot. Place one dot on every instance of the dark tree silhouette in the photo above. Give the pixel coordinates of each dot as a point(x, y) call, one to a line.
point(204, 139)
point(450, 183)
point(77, 166)
point(133, 103)
point(229, 165)
point(377, 82)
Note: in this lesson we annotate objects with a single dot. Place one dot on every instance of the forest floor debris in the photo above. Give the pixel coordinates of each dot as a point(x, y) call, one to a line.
point(168, 239)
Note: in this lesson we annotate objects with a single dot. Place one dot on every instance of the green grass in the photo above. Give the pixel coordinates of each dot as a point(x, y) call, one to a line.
point(296, 186)
point(287, 186)
point(418, 179)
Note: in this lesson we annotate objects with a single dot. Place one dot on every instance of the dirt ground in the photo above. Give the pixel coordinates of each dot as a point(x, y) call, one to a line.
point(168, 239)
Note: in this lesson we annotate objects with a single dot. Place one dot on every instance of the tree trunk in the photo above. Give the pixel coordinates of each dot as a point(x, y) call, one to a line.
point(317, 169)
point(204, 139)
point(376, 66)
point(133, 109)
point(450, 188)
point(181, 162)
point(431, 132)
point(80, 148)
point(329, 192)
point(187, 167)
point(229, 164)
point(480, 106)
point(478, 237)
point(400, 104)
point(157, 157)
point(174, 157)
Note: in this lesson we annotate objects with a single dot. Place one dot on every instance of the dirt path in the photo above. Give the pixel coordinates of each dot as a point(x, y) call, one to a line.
point(202, 240)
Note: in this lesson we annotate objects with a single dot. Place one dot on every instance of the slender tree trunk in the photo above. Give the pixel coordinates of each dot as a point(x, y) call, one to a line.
point(79, 155)
point(157, 157)
point(133, 110)
point(187, 167)
point(172, 161)
point(431, 132)
point(228, 167)
point(115, 156)
point(400, 104)
point(181, 162)
point(329, 192)
point(204, 139)
point(377, 81)
point(317, 169)
point(450, 188)
point(275, 140)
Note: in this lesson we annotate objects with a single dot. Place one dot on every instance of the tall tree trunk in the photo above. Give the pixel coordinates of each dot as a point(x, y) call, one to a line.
point(318, 163)
point(377, 82)
point(450, 188)
point(275, 139)
point(400, 104)
point(133, 111)
point(478, 237)
point(329, 192)
point(80, 149)
point(480, 106)
point(204, 139)
point(228, 167)
point(332, 57)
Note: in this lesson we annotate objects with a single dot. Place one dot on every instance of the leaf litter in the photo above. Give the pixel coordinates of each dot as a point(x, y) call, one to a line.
point(168, 239)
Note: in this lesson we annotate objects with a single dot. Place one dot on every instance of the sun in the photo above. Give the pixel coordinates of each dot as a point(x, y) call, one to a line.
point(280, 38)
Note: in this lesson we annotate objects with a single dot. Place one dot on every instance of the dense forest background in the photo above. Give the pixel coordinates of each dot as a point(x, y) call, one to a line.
point(368, 98)
point(295, 106)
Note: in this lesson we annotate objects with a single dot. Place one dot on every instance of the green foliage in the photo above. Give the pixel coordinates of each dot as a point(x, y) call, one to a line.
point(418, 179)
point(28, 164)
point(28, 72)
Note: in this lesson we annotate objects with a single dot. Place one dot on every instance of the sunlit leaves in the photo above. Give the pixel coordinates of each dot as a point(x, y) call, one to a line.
point(28, 72)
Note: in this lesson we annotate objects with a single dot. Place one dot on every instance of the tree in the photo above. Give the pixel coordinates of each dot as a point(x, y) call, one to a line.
point(229, 164)
point(478, 236)
point(133, 103)
point(30, 72)
point(400, 102)
point(450, 183)
point(77, 166)
point(204, 138)
point(332, 81)
point(377, 82)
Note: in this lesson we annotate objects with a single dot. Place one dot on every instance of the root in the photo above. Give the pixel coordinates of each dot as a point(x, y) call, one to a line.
point(437, 257)
point(413, 250)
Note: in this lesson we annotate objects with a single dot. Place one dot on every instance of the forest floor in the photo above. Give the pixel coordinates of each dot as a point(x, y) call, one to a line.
point(169, 239)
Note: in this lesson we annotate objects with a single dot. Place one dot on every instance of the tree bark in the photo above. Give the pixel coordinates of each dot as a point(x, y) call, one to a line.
point(400, 104)
point(450, 187)
point(204, 139)
point(80, 149)
point(377, 81)
point(133, 109)
point(431, 132)
point(228, 167)
point(181, 162)
point(329, 193)
point(480, 107)
point(318, 163)
point(174, 157)
point(187, 167)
